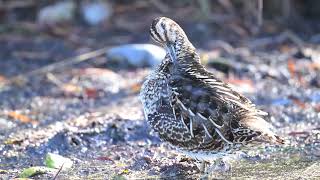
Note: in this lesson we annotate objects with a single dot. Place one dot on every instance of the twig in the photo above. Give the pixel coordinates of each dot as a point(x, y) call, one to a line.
point(56, 175)
point(295, 39)
point(61, 64)
point(260, 13)
point(224, 45)
point(287, 35)
point(54, 79)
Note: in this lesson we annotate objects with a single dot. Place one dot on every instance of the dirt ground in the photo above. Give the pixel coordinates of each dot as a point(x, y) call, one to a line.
point(90, 111)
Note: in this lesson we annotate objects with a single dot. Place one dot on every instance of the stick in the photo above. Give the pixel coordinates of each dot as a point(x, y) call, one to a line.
point(286, 35)
point(260, 13)
point(61, 64)
point(58, 172)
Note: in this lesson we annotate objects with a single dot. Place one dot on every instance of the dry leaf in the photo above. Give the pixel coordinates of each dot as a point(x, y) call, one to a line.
point(298, 102)
point(22, 118)
point(104, 158)
point(284, 49)
point(315, 66)
point(135, 88)
point(125, 171)
point(91, 93)
point(3, 79)
point(317, 108)
point(71, 89)
point(291, 68)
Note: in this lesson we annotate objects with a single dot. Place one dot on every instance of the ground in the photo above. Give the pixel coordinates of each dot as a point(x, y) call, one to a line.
point(91, 113)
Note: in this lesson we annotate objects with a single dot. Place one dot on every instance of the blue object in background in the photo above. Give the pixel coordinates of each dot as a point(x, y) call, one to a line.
point(137, 55)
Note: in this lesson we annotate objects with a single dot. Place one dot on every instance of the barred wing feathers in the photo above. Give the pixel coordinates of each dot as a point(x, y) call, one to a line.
point(215, 107)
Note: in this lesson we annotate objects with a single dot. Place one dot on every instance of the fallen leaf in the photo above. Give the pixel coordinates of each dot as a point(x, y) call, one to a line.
point(104, 158)
point(13, 141)
point(125, 171)
point(315, 66)
point(56, 161)
point(91, 93)
point(299, 133)
point(3, 79)
point(32, 171)
point(291, 68)
point(22, 118)
point(135, 87)
point(298, 102)
point(3, 171)
point(317, 108)
point(71, 89)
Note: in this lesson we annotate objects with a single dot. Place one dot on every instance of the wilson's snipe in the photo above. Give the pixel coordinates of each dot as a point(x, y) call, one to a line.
point(193, 110)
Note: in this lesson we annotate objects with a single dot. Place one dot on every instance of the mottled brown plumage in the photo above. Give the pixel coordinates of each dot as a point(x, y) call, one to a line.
point(193, 110)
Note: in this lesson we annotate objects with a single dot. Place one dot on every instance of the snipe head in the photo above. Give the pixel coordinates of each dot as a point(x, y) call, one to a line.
point(170, 35)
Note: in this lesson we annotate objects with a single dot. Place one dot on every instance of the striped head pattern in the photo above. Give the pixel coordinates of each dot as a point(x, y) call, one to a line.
point(170, 35)
point(165, 30)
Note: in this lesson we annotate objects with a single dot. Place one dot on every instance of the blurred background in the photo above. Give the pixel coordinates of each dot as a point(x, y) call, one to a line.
point(71, 72)
point(38, 30)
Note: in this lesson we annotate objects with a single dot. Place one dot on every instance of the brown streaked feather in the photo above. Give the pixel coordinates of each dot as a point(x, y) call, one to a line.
point(193, 110)
point(216, 102)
